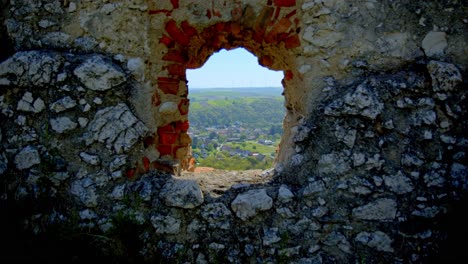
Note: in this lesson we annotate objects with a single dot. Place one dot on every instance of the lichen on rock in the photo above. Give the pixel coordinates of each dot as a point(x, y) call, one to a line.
point(35, 68)
point(117, 127)
point(98, 75)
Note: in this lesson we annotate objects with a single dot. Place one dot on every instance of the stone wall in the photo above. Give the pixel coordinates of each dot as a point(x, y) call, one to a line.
point(94, 120)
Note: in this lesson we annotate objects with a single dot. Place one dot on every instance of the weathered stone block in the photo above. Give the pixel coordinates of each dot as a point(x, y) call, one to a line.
point(182, 193)
point(248, 204)
point(98, 74)
point(380, 209)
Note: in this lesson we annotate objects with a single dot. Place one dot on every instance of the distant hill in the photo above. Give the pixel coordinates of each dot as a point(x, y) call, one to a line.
point(254, 107)
point(220, 93)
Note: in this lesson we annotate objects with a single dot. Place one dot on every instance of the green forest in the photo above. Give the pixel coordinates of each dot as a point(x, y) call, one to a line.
point(236, 129)
point(252, 112)
point(216, 107)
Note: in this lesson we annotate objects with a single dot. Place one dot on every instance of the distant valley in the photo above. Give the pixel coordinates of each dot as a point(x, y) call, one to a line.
point(236, 128)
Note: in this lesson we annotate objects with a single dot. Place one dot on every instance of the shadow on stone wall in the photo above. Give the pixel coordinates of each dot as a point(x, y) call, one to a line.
point(6, 46)
point(454, 225)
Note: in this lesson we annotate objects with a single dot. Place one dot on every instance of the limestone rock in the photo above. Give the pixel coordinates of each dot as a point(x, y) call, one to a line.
point(116, 174)
point(309, 34)
point(285, 212)
point(398, 183)
point(38, 105)
point(433, 178)
point(359, 185)
point(100, 178)
point(57, 39)
point(99, 75)
point(217, 215)
point(459, 175)
point(168, 108)
point(181, 193)
point(27, 157)
point(424, 116)
point(30, 68)
point(363, 101)
point(137, 68)
point(59, 177)
point(317, 259)
point(89, 158)
point(405, 103)
point(319, 211)
point(87, 214)
point(297, 160)
point(53, 7)
point(118, 192)
point(270, 236)
point(380, 209)
point(289, 252)
point(165, 224)
point(144, 188)
point(332, 163)
point(63, 104)
point(201, 259)
point(216, 246)
point(86, 44)
point(427, 212)
point(83, 121)
point(117, 127)
point(347, 136)
point(358, 159)
point(85, 191)
point(249, 203)
point(62, 124)
point(359, 107)
point(378, 240)
point(314, 186)
point(337, 239)
point(301, 133)
point(304, 225)
point(325, 38)
point(118, 162)
point(445, 76)
point(409, 159)
point(44, 23)
point(374, 162)
point(284, 194)
point(28, 104)
point(434, 43)
point(398, 44)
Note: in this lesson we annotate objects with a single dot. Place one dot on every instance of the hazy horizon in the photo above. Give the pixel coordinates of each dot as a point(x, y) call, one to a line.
point(243, 87)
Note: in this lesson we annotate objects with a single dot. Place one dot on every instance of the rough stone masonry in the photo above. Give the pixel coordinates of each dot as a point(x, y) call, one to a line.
point(94, 106)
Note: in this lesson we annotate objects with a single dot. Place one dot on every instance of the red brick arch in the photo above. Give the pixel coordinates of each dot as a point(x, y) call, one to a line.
point(272, 35)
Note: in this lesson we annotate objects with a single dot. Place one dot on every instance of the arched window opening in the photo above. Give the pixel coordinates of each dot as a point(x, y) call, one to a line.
point(236, 112)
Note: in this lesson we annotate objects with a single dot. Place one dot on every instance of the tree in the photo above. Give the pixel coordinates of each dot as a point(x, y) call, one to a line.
point(213, 135)
point(194, 142)
point(209, 147)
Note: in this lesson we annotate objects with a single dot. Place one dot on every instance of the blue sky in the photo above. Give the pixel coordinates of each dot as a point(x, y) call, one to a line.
point(234, 68)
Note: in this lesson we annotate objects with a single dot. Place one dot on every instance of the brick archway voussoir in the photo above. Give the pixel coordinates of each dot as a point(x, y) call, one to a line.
point(272, 36)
